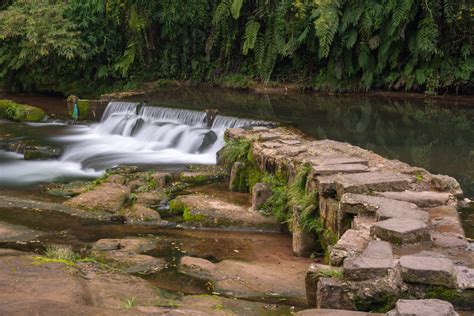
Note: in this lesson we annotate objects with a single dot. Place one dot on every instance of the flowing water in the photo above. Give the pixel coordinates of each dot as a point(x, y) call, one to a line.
point(127, 134)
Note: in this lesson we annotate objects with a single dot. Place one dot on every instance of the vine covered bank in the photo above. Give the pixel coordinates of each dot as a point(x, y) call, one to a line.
point(78, 46)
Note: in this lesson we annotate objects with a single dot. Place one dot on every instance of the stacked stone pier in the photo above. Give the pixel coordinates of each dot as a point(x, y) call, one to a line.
point(398, 231)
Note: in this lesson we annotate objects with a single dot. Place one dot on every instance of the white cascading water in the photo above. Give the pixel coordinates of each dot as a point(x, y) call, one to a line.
point(130, 134)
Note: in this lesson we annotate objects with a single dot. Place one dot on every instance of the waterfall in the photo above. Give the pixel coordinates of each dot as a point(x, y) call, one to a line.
point(128, 133)
point(132, 134)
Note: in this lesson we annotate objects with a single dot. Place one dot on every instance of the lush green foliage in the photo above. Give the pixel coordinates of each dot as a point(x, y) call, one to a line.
point(20, 112)
point(80, 45)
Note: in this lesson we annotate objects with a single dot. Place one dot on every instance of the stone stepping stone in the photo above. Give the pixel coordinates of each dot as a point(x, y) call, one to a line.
point(339, 168)
point(421, 199)
point(431, 307)
point(401, 231)
point(351, 243)
point(268, 136)
point(428, 270)
point(382, 208)
point(371, 181)
point(337, 160)
point(374, 262)
point(465, 277)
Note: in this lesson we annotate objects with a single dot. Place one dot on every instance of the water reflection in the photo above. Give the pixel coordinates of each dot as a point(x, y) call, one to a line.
point(438, 136)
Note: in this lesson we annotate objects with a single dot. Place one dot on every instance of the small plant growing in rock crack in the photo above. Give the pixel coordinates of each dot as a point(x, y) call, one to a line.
point(327, 273)
point(235, 150)
point(130, 303)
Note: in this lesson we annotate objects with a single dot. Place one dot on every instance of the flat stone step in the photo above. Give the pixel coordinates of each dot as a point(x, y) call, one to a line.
point(371, 181)
point(325, 160)
point(399, 231)
point(351, 243)
point(431, 307)
point(375, 261)
point(421, 199)
point(333, 312)
point(209, 211)
point(382, 208)
point(339, 168)
point(428, 270)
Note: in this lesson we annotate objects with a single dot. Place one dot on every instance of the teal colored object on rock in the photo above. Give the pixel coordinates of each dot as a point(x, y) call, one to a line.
point(75, 112)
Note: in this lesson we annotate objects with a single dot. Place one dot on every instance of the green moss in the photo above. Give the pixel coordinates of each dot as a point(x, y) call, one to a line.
point(329, 273)
point(442, 293)
point(189, 217)
point(20, 112)
point(84, 109)
point(176, 206)
point(202, 178)
point(380, 304)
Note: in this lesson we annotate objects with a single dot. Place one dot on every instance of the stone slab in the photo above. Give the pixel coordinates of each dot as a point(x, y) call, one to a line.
point(268, 136)
point(383, 208)
point(352, 242)
point(332, 294)
point(339, 168)
point(431, 307)
point(314, 273)
point(428, 270)
point(323, 160)
point(464, 277)
point(375, 261)
point(421, 199)
point(371, 181)
point(106, 197)
point(400, 231)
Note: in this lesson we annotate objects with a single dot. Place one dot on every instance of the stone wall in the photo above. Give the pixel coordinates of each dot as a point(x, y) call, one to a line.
point(397, 226)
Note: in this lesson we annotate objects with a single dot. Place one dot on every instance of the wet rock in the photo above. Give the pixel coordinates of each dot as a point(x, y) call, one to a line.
point(400, 231)
point(248, 279)
point(134, 263)
point(238, 181)
point(202, 177)
point(213, 212)
point(42, 152)
point(142, 213)
point(421, 199)
point(106, 197)
point(314, 273)
point(423, 308)
point(151, 199)
point(126, 254)
point(208, 140)
point(351, 243)
point(68, 189)
point(331, 294)
point(375, 261)
point(162, 179)
point(136, 245)
point(382, 208)
point(13, 233)
point(261, 192)
point(428, 270)
point(303, 242)
point(52, 288)
point(371, 181)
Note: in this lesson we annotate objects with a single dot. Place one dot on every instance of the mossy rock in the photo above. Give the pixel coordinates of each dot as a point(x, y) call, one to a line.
point(20, 112)
point(84, 109)
point(202, 177)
